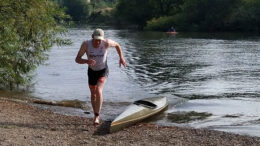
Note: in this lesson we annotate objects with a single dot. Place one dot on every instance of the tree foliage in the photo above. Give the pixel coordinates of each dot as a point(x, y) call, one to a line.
point(246, 16)
point(206, 15)
point(88, 11)
point(135, 11)
point(79, 10)
point(28, 28)
point(140, 12)
point(191, 15)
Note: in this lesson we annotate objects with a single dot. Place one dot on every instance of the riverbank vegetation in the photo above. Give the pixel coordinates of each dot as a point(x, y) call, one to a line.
point(190, 15)
point(159, 15)
point(89, 11)
point(28, 29)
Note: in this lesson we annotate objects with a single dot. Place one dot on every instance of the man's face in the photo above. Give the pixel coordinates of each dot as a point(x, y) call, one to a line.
point(96, 43)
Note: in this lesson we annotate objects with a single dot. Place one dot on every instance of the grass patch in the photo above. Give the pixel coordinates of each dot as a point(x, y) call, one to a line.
point(185, 117)
point(9, 126)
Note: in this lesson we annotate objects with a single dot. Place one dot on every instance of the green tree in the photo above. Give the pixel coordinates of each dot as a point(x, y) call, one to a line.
point(28, 28)
point(79, 10)
point(135, 11)
point(166, 10)
point(246, 16)
point(140, 12)
point(167, 7)
point(205, 15)
point(191, 15)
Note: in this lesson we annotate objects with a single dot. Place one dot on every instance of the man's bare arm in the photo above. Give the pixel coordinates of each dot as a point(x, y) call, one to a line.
point(82, 51)
point(119, 51)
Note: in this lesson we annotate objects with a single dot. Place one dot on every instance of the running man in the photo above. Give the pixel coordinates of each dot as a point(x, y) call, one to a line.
point(96, 50)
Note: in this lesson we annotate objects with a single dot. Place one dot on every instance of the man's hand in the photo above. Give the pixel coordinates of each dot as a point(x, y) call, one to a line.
point(91, 62)
point(123, 62)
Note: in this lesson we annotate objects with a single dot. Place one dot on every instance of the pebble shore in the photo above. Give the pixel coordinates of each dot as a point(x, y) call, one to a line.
point(24, 124)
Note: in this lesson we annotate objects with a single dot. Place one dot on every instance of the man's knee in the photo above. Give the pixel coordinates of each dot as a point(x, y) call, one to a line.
point(92, 87)
point(102, 79)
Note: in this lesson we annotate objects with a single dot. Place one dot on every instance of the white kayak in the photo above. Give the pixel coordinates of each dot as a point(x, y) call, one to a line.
point(138, 111)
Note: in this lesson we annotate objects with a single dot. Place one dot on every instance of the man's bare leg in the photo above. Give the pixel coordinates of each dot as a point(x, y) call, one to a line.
point(98, 101)
point(93, 89)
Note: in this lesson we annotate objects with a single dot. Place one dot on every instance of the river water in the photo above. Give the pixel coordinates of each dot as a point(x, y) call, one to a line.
point(215, 73)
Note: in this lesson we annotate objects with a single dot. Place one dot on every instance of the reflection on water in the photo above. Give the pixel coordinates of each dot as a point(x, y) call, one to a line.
point(218, 70)
point(237, 115)
point(194, 67)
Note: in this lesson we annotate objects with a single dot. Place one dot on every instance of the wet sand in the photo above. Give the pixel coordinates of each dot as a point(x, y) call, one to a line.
point(24, 124)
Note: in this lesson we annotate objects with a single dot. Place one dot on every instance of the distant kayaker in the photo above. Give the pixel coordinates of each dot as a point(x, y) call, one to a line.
point(171, 29)
point(96, 50)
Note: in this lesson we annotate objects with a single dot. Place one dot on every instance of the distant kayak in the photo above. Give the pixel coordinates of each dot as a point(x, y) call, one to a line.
point(139, 110)
point(172, 32)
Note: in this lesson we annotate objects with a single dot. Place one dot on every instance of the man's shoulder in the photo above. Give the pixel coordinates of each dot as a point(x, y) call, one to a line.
point(110, 42)
point(85, 44)
point(86, 41)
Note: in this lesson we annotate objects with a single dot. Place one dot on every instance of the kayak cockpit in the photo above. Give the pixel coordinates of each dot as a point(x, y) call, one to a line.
point(145, 103)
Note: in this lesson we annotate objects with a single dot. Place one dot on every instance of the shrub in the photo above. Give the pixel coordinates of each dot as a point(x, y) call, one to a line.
point(28, 29)
point(160, 23)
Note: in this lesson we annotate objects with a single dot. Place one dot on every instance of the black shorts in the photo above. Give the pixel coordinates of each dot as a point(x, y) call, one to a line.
point(94, 76)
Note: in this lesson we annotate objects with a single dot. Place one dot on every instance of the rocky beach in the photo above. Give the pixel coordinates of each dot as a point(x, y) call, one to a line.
point(21, 123)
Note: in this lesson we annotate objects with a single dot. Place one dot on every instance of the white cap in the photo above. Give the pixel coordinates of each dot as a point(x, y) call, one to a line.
point(98, 34)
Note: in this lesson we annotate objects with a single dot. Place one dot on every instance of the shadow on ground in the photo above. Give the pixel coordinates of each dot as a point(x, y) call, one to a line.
point(103, 129)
